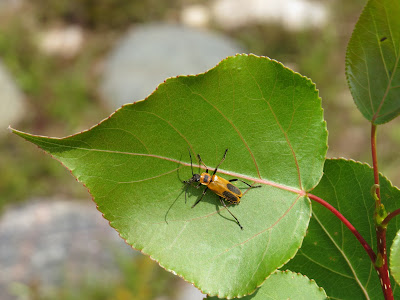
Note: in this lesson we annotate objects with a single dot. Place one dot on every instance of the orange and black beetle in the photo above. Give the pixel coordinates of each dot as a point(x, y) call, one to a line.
point(220, 186)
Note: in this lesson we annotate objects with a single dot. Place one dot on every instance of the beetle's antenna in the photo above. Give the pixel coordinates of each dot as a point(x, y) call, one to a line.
point(223, 158)
point(191, 165)
point(188, 182)
point(198, 156)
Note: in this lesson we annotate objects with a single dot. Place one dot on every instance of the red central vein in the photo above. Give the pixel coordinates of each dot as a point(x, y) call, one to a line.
point(233, 174)
point(249, 178)
point(222, 171)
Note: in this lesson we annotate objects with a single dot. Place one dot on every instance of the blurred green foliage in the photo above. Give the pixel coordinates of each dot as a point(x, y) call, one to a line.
point(101, 15)
point(58, 93)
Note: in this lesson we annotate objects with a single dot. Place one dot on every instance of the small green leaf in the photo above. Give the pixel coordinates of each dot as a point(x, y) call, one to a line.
point(134, 162)
point(330, 254)
point(395, 258)
point(286, 285)
point(372, 61)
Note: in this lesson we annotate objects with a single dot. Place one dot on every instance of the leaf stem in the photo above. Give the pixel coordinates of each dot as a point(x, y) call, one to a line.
point(390, 216)
point(346, 222)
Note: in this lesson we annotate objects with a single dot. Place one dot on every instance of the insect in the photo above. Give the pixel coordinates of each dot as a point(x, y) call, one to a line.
point(220, 186)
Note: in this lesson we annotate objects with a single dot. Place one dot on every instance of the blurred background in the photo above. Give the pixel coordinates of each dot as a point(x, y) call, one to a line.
point(67, 64)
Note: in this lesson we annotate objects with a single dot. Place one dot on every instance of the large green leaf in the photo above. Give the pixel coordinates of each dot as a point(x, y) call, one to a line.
point(372, 61)
point(133, 163)
point(330, 254)
point(286, 285)
point(395, 258)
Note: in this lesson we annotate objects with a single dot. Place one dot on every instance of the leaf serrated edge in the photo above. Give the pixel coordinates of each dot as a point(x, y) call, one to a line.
point(311, 281)
point(301, 193)
point(365, 164)
point(193, 282)
point(20, 133)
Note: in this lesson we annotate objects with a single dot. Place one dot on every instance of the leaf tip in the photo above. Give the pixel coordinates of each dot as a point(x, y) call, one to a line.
point(15, 131)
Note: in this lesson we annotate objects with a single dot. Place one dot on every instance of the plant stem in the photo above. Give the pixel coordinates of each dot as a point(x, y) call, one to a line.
point(381, 263)
point(346, 222)
point(375, 163)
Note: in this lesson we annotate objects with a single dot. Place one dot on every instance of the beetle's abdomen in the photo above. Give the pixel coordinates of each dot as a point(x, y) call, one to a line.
point(231, 197)
point(233, 189)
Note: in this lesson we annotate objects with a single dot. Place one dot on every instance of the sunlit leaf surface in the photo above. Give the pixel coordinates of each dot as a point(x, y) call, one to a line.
point(134, 162)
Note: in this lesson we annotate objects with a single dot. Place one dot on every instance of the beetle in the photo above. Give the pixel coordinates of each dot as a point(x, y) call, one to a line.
point(220, 186)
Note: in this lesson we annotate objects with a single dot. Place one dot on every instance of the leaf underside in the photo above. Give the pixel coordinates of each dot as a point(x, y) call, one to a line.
point(134, 162)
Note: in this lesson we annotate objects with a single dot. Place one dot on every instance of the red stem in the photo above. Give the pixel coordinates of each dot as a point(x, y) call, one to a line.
point(383, 270)
point(346, 222)
point(381, 265)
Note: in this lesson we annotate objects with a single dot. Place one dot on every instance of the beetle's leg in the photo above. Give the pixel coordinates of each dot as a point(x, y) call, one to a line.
point(249, 185)
point(187, 186)
point(223, 203)
point(201, 197)
point(223, 158)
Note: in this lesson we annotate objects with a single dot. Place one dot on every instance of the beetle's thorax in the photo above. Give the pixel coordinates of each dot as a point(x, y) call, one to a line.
point(206, 178)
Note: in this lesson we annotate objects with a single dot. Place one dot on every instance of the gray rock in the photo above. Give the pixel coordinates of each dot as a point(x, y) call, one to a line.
point(11, 101)
point(53, 241)
point(149, 54)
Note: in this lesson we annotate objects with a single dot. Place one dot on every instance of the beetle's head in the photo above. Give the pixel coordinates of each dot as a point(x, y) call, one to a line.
point(195, 178)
